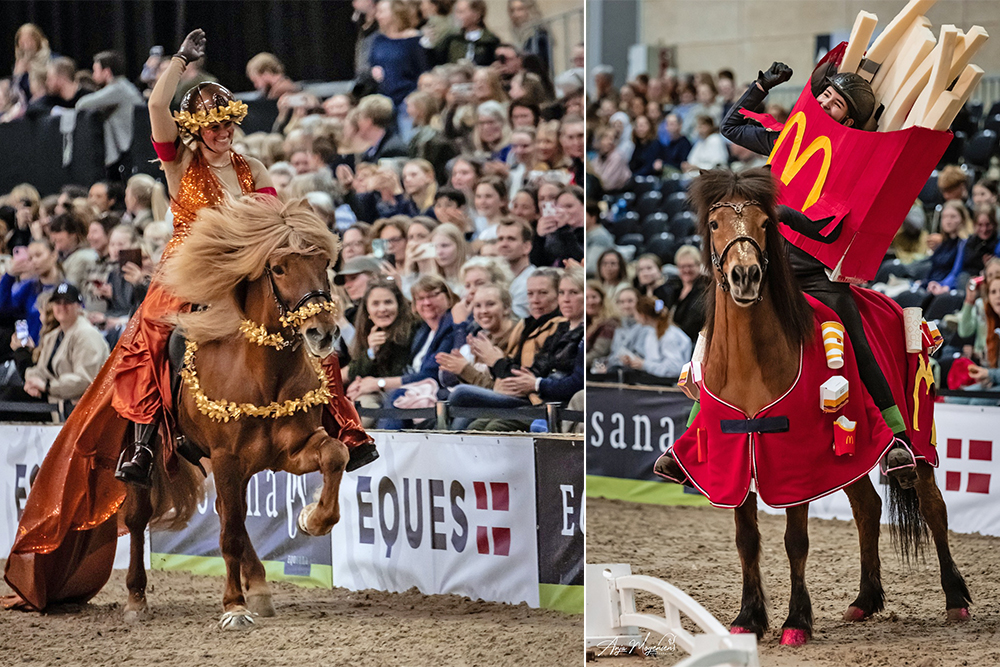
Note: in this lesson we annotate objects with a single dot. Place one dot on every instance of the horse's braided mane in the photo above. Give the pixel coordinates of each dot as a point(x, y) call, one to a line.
point(758, 184)
point(233, 243)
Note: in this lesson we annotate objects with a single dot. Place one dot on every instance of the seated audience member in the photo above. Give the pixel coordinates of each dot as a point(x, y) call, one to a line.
point(427, 142)
point(910, 243)
point(612, 272)
point(69, 235)
point(983, 243)
point(985, 192)
point(649, 278)
point(126, 285)
point(28, 277)
point(267, 74)
point(953, 183)
point(555, 372)
point(419, 187)
point(710, 151)
point(475, 273)
point(632, 338)
point(648, 153)
point(374, 118)
point(491, 206)
point(139, 200)
point(389, 240)
point(355, 276)
point(450, 206)
point(949, 248)
point(514, 239)
point(450, 253)
point(602, 321)
point(567, 240)
point(668, 351)
point(356, 241)
point(491, 312)
point(491, 138)
point(70, 355)
point(609, 165)
point(382, 351)
point(677, 147)
point(983, 317)
point(685, 293)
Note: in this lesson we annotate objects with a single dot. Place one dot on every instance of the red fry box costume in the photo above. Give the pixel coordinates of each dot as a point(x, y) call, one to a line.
point(856, 186)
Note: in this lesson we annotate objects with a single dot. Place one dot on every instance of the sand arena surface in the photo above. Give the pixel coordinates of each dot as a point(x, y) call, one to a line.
point(313, 626)
point(694, 548)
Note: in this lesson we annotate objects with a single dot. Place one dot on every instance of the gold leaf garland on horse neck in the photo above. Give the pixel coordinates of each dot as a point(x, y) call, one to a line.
point(223, 410)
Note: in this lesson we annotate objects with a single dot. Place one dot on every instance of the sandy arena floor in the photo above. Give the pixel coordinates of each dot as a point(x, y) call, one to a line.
point(694, 548)
point(312, 627)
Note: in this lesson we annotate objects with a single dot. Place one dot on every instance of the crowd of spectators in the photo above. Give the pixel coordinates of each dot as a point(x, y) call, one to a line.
point(646, 142)
point(453, 175)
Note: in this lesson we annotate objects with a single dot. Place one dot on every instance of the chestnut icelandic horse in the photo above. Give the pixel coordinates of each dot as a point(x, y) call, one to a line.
point(253, 391)
point(761, 332)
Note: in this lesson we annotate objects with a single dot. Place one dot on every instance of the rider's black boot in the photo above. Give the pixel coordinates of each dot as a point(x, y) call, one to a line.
point(361, 455)
point(137, 469)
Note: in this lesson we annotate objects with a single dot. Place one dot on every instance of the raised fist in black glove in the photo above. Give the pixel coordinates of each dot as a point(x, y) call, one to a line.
point(778, 73)
point(193, 47)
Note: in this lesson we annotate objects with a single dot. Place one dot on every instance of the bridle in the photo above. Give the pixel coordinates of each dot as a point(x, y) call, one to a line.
point(292, 317)
point(719, 259)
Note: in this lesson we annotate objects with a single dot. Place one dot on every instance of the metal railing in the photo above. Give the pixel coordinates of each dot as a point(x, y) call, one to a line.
point(442, 413)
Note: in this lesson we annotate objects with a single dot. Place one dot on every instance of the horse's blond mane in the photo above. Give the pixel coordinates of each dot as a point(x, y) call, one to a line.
point(233, 243)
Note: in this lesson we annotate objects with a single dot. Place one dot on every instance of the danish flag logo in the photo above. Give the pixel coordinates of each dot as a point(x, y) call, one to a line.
point(495, 496)
point(976, 482)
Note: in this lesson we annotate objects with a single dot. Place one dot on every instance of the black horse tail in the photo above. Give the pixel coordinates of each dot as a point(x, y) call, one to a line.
point(907, 529)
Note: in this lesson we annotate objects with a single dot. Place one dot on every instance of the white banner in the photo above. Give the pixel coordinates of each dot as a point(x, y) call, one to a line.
point(968, 440)
point(24, 448)
point(445, 513)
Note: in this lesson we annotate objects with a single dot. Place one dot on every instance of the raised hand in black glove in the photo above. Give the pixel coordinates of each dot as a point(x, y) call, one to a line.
point(778, 73)
point(193, 47)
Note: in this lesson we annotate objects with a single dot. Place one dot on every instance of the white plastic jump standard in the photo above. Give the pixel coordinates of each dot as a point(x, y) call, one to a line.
point(612, 616)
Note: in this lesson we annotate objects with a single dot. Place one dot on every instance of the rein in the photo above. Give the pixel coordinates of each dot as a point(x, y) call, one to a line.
point(719, 259)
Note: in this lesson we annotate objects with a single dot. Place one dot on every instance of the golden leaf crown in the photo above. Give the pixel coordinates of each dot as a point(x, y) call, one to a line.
point(235, 111)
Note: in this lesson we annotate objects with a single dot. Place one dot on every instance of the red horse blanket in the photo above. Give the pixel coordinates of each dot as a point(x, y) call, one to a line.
point(786, 450)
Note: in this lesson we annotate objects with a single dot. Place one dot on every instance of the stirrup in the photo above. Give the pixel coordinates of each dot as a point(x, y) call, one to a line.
point(663, 466)
point(361, 455)
point(903, 466)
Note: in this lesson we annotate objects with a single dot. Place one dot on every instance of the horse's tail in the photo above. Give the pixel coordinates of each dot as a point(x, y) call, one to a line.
point(175, 499)
point(907, 528)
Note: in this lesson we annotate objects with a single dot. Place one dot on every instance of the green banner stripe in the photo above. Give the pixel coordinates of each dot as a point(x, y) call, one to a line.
point(568, 599)
point(654, 493)
point(320, 576)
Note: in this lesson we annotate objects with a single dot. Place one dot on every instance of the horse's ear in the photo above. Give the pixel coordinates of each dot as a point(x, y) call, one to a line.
point(766, 166)
point(702, 172)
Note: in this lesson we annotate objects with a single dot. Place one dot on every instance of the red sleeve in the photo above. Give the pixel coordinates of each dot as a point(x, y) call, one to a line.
point(268, 191)
point(165, 150)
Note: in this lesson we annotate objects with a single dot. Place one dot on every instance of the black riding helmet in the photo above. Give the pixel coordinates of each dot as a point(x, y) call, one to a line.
point(858, 95)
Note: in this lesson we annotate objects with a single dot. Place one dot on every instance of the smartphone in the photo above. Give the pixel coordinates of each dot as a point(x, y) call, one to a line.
point(20, 252)
point(378, 248)
point(461, 89)
point(133, 255)
point(156, 51)
point(391, 258)
point(975, 283)
point(21, 329)
point(548, 209)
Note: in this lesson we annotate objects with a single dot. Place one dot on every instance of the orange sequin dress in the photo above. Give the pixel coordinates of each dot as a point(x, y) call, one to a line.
point(66, 538)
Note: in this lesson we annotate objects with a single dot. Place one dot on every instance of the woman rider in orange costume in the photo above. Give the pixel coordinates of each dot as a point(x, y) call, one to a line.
point(66, 537)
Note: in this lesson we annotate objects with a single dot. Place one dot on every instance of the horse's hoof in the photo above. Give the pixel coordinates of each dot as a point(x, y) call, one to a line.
point(959, 614)
point(260, 605)
point(304, 518)
point(237, 619)
point(134, 616)
point(740, 630)
point(794, 637)
point(855, 614)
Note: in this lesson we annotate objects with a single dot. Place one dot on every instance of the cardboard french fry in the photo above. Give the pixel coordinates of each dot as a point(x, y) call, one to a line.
point(941, 119)
point(945, 109)
point(861, 34)
point(884, 43)
point(900, 59)
point(965, 49)
point(939, 78)
point(896, 111)
point(911, 54)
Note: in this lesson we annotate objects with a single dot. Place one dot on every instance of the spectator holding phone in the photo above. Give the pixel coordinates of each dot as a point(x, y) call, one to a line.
point(31, 273)
point(126, 284)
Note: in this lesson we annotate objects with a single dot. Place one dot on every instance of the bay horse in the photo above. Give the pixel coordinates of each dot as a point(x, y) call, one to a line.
point(758, 326)
point(253, 390)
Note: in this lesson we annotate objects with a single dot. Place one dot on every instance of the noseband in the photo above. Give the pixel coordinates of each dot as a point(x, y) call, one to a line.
point(291, 318)
point(719, 259)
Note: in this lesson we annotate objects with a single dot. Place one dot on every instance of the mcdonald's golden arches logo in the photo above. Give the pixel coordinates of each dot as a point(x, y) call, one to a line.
point(797, 158)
